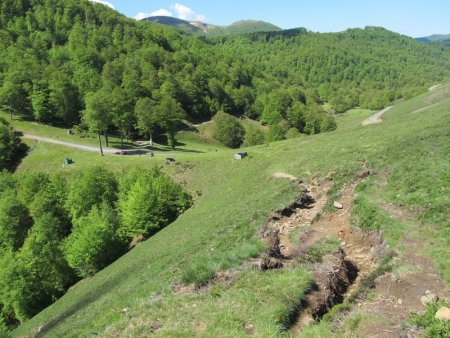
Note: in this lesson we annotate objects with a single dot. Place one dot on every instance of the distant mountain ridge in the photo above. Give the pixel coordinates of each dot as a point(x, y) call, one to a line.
point(198, 27)
point(435, 38)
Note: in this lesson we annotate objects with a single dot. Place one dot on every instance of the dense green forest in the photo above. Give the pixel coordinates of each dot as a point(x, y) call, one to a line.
point(55, 230)
point(368, 67)
point(76, 62)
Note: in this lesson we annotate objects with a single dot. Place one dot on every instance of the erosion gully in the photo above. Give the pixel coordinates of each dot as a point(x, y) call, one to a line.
point(292, 231)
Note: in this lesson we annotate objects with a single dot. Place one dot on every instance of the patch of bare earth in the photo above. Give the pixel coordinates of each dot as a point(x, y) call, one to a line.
point(293, 230)
point(400, 294)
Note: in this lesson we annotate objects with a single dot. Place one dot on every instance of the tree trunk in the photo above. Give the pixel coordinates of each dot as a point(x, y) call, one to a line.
point(151, 140)
point(100, 142)
point(121, 140)
point(106, 138)
point(171, 137)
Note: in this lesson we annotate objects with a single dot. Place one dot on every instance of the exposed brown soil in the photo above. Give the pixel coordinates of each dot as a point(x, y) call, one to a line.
point(399, 294)
point(293, 230)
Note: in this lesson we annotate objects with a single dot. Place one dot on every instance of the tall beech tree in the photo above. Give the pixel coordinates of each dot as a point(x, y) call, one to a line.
point(146, 117)
point(97, 114)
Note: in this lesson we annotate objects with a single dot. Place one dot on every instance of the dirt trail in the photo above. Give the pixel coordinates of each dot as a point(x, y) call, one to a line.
point(377, 117)
point(292, 231)
point(362, 251)
point(69, 144)
point(434, 87)
point(136, 151)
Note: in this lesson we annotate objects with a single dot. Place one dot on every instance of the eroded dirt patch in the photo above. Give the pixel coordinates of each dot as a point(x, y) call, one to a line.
point(293, 231)
point(285, 176)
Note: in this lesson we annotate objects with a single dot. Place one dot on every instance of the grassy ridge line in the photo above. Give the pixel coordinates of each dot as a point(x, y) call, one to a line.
point(235, 198)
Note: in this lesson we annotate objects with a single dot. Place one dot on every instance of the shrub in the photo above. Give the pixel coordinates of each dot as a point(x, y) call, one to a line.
point(93, 243)
point(6, 181)
point(228, 130)
point(14, 221)
point(41, 272)
point(292, 133)
point(10, 145)
point(148, 202)
point(29, 184)
point(277, 132)
point(328, 124)
point(253, 136)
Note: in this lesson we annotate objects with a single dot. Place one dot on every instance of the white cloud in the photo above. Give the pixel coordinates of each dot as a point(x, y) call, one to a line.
point(181, 11)
point(186, 13)
point(103, 2)
point(161, 12)
point(141, 15)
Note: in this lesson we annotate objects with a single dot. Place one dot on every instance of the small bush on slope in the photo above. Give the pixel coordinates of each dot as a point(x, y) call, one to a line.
point(10, 145)
point(228, 130)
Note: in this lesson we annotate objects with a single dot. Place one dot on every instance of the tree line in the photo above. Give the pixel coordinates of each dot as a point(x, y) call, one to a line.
point(55, 230)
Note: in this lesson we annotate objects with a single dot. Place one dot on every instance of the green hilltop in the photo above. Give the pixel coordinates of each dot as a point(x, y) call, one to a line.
point(201, 28)
point(435, 38)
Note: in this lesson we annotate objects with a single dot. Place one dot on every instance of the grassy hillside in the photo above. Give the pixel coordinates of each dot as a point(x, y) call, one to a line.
point(181, 25)
point(243, 27)
point(141, 293)
point(435, 38)
point(200, 28)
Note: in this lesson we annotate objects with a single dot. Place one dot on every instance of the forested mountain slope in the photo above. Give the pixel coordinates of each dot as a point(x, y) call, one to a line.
point(359, 67)
point(57, 57)
point(435, 38)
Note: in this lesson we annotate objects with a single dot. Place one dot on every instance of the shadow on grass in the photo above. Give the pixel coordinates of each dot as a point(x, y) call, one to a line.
point(20, 154)
point(31, 119)
point(168, 150)
point(84, 301)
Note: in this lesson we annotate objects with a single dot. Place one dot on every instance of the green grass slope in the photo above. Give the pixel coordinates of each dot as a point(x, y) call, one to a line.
point(181, 25)
point(140, 294)
point(243, 27)
point(199, 28)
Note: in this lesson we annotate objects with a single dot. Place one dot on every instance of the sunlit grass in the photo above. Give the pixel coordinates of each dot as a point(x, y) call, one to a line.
point(232, 200)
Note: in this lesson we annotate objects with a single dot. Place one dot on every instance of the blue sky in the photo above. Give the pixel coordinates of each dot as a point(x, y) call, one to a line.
point(414, 17)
